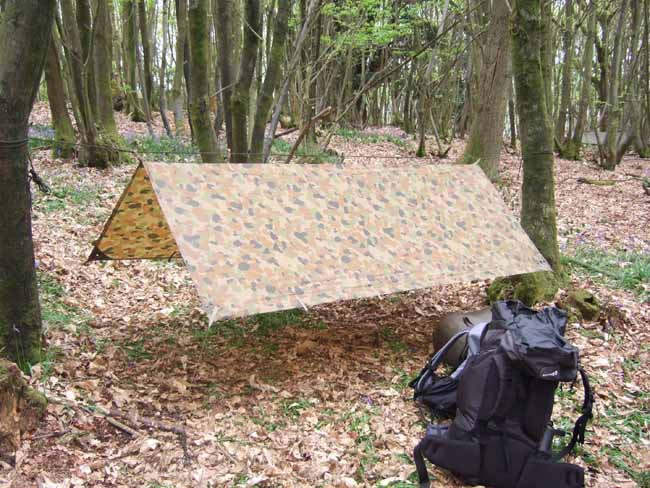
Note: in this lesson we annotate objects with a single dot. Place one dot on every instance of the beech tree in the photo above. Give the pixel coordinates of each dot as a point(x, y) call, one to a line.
point(64, 135)
point(199, 88)
point(538, 213)
point(486, 135)
point(25, 33)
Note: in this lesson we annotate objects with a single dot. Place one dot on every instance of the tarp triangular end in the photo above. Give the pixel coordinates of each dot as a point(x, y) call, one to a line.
point(137, 228)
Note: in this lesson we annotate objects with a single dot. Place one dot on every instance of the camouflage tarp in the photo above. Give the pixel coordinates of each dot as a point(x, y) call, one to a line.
point(258, 238)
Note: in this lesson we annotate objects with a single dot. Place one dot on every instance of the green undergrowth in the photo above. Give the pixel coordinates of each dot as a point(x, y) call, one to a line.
point(349, 133)
point(632, 428)
point(63, 196)
point(624, 270)
point(56, 314)
point(163, 148)
point(306, 153)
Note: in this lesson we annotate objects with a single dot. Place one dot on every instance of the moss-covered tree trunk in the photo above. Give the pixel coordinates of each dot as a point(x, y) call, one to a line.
point(271, 80)
point(103, 62)
point(178, 100)
point(130, 38)
point(199, 87)
point(25, 32)
point(240, 101)
point(486, 135)
point(538, 214)
point(228, 44)
point(64, 136)
point(536, 131)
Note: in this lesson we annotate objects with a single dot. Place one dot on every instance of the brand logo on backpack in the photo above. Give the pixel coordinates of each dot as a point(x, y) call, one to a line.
point(552, 373)
point(502, 396)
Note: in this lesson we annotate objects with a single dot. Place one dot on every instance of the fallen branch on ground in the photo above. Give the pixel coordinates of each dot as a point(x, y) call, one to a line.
point(113, 415)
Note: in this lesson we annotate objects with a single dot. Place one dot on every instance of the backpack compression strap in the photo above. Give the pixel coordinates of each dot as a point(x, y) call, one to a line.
point(420, 466)
point(580, 426)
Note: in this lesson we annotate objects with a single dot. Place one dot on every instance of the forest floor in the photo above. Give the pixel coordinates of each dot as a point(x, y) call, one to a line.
point(296, 399)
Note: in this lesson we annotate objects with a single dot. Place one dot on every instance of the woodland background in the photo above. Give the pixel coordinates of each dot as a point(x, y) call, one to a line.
point(550, 97)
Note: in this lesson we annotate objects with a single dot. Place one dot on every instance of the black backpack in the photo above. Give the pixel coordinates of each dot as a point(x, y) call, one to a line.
point(502, 433)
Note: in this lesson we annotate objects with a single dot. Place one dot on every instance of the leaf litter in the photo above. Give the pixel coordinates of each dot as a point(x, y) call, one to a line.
point(317, 398)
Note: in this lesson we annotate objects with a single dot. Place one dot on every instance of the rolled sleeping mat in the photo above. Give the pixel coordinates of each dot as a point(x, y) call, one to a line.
point(452, 323)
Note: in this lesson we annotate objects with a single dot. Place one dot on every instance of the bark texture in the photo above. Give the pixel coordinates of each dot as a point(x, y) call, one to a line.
point(199, 79)
point(241, 94)
point(573, 148)
point(538, 214)
point(25, 32)
point(613, 150)
point(228, 41)
point(129, 17)
point(486, 135)
point(64, 136)
point(271, 80)
point(177, 87)
point(103, 62)
point(146, 49)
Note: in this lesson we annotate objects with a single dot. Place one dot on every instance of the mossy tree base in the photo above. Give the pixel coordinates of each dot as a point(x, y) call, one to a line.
point(530, 288)
point(570, 150)
point(63, 148)
point(105, 153)
point(583, 304)
point(21, 409)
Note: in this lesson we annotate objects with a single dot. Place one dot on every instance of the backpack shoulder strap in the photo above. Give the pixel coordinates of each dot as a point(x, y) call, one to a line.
point(438, 357)
point(578, 436)
point(436, 360)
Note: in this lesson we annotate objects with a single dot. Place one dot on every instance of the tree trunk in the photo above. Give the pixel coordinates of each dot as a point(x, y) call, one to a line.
point(177, 87)
point(25, 33)
point(602, 48)
point(512, 115)
point(64, 136)
point(565, 94)
point(146, 50)
point(547, 52)
point(162, 91)
point(228, 41)
point(538, 214)
point(634, 130)
point(271, 80)
point(284, 90)
point(612, 153)
point(241, 93)
point(199, 88)
point(575, 146)
point(103, 59)
point(129, 17)
point(85, 26)
point(90, 152)
point(486, 135)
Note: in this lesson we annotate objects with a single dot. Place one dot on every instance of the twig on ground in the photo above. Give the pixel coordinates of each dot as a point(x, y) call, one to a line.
point(113, 415)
